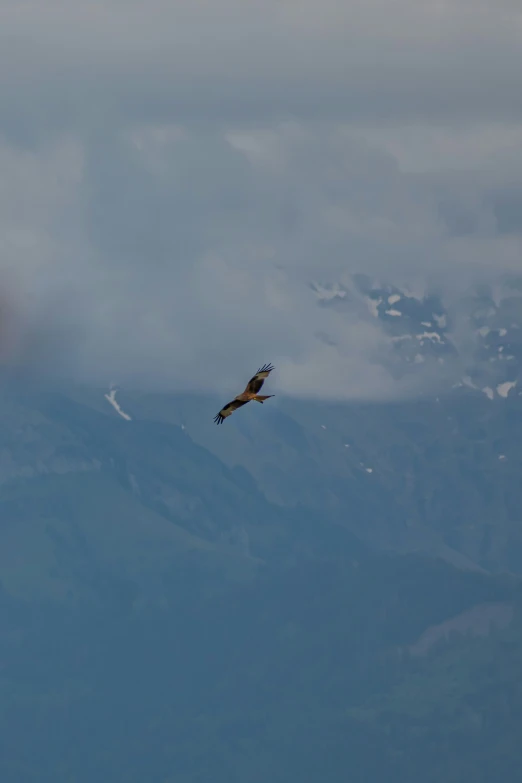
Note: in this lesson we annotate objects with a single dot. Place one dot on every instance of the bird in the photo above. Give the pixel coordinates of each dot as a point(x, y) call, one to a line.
point(250, 393)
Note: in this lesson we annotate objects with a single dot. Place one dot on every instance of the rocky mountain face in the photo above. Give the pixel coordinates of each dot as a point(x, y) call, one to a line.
point(476, 337)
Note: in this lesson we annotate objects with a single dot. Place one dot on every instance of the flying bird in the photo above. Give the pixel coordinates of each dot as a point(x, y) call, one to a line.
point(250, 393)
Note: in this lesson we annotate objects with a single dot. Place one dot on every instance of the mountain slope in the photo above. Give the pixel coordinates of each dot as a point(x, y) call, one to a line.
point(169, 613)
point(302, 671)
point(437, 474)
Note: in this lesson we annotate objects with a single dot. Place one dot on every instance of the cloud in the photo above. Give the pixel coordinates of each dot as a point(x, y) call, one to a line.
point(227, 60)
point(174, 175)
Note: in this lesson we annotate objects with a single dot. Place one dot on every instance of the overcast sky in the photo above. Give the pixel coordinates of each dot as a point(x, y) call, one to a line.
point(173, 174)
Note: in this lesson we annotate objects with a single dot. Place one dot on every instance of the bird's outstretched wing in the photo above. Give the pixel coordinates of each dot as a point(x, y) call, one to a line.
point(258, 380)
point(228, 409)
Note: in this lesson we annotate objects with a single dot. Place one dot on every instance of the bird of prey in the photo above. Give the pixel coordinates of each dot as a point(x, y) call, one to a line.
point(250, 393)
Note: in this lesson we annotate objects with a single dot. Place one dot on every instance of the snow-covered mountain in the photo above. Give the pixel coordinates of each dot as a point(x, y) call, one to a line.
point(475, 337)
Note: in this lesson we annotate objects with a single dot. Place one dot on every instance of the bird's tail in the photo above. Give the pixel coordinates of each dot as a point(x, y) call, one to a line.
point(262, 397)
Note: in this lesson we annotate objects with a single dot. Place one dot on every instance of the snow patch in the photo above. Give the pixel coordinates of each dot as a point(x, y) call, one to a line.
point(504, 388)
point(434, 336)
point(111, 398)
point(414, 291)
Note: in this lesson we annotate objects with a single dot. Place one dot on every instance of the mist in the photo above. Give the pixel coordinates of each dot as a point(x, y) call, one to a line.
point(175, 178)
